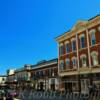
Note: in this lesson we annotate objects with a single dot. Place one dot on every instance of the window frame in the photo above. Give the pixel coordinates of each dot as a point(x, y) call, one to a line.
point(81, 43)
point(92, 32)
point(93, 55)
point(72, 41)
point(61, 67)
point(61, 49)
point(67, 64)
point(74, 65)
point(82, 57)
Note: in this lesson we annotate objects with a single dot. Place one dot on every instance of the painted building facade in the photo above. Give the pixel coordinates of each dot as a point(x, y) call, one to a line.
point(45, 75)
point(22, 76)
point(79, 56)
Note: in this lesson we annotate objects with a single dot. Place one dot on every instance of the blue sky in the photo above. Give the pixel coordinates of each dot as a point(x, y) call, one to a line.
point(28, 28)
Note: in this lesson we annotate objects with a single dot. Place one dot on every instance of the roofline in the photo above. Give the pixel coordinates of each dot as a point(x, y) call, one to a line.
point(56, 38)
point(3, 75)
point(44, 63)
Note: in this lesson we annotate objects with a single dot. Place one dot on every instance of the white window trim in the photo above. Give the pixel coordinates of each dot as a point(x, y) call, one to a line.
point(92, 30)
point(67, 59)
point(73, 39)
point(74, 58)
point(81, 35)
point(99, 28)
point(61, 61)
point(81, 57)
point(61, 44)
point(94, 52)
point(92, 55)
point(66, 42)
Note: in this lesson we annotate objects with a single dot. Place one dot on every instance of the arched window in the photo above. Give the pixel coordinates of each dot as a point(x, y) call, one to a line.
point(74, 62)
point(94, 56)
point(67, 63)
point(83, 60)
point(61, 66)
point(82, 40)
point(61, 49)
point(92, 36)
point(67, 48)
point(73, 41)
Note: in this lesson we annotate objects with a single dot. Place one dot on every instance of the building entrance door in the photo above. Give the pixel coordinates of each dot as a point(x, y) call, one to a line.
point(85, 83)
point(41, 86)
point(68, 86)
point(53, 87)
point(53, 84)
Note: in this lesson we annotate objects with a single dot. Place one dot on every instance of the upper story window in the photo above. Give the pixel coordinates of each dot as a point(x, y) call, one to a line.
point(67, 63)
point(67, 47)
point(82, 40)
point(92, 37)
point(61, 49)
point(74, 62)
point(73, 44)
point(94, 56)
point(49, 72)
point(40, 73)
point(61, 66)
point(83, 60)
point(55, 71)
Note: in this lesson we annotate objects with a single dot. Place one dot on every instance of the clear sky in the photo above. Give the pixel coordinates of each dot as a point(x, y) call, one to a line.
point(28, 28)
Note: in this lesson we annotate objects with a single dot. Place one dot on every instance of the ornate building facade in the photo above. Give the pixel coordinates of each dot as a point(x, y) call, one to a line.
point(79, 56)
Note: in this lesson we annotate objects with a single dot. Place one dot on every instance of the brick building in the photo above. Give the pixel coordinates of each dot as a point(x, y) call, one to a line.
point(79, 56)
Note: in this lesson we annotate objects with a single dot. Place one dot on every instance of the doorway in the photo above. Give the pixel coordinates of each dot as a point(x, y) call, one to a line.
point(68, 86)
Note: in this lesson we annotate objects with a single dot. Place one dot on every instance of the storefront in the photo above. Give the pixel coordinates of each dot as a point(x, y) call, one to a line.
point(70, 83)
point(53, 84)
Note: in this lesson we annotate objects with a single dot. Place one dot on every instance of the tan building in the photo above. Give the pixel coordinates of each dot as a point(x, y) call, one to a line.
point(22, 76)
point(79, 56)
point(3, 79)
point(10, 77)
point(19, 77)
point(45, 75)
